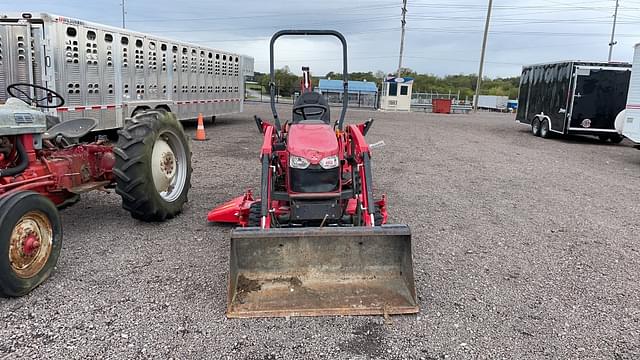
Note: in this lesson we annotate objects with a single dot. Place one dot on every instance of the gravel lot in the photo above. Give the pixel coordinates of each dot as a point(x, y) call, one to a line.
point(524, 248)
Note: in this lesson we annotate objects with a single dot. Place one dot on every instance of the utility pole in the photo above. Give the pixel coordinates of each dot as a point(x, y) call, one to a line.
point(613, 30)
point(484, 48)
point(404, 22)
point(123, 12)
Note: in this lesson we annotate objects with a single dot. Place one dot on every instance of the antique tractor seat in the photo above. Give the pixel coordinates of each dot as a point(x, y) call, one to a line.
point(71, 129)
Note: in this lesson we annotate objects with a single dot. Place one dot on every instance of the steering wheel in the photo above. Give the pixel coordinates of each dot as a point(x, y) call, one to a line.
point(319, 110)
point(23, 90)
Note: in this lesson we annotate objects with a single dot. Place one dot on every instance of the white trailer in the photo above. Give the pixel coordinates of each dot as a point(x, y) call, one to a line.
point(109, 74)
point(493, 102)
point(631, 118)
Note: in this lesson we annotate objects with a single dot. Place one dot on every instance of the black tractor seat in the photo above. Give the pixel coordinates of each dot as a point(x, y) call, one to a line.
point(311, 108)
point(71, 129)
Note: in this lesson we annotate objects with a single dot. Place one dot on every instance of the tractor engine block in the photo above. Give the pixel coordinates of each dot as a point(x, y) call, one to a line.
point(59, 173)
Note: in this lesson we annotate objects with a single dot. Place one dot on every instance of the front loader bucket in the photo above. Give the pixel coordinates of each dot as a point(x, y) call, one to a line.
point(321, 271)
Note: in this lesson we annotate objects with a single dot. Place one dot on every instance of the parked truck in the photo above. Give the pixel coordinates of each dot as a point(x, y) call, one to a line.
point(573, 97)
point(630, 121)
point(109, 74)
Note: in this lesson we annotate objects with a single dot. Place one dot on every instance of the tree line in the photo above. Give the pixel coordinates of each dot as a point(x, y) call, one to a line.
point(288, 83)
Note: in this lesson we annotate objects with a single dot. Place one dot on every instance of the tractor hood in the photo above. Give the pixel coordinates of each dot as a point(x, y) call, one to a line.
point(313, 142)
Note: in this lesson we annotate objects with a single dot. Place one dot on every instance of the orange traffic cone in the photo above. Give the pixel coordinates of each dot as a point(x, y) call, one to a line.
point(200, 134)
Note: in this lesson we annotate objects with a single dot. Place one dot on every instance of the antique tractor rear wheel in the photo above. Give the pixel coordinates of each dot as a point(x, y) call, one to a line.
point(30, 241)
point(153, 166)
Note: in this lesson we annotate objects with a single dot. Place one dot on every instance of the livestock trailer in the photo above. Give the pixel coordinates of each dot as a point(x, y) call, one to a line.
point(573, 97)
point(631, 119)
point(109, 74)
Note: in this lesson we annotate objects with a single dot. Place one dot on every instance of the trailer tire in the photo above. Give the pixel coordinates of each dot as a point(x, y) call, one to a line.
point(27, 257)
point(535, 127)
point(545, 133)
point(616, 138)
point(153, 166)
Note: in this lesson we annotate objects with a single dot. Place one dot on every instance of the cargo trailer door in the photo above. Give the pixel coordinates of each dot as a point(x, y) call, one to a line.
point(599, 95)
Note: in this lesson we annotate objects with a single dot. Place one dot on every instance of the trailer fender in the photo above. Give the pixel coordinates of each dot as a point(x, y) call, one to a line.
point(542, 117)
point(139, 109)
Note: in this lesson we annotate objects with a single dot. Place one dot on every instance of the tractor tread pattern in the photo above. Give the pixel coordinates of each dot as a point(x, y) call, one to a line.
point(134, 180)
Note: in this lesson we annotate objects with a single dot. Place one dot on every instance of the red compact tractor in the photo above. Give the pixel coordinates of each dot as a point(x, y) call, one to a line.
point(316, 242)
point(44, 164)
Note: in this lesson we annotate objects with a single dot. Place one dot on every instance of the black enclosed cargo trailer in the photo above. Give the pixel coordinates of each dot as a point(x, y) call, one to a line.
point(573, 97)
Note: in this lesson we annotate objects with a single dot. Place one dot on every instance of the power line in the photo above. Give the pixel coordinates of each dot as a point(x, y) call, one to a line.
point(288, 25)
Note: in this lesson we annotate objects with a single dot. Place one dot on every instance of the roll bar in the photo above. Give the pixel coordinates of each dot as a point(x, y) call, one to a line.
point(345, 73)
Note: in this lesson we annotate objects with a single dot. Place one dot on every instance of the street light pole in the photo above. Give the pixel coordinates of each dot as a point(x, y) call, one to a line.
point(613, 31)
point(484, 48)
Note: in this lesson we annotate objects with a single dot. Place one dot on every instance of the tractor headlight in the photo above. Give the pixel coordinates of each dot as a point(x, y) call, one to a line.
point(330, 162)
point(298, 162)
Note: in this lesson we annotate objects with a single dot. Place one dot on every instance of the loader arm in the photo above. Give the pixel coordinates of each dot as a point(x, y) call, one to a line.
point(362, 155)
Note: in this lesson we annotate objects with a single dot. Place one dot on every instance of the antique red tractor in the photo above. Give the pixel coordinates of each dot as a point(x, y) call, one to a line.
point(45, 164)
point(316, 242)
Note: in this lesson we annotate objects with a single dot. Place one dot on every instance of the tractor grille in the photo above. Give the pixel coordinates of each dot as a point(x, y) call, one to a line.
point(314, 179)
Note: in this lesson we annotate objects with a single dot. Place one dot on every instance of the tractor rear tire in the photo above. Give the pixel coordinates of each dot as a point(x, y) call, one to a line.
point(153, 166)
point(30, 241)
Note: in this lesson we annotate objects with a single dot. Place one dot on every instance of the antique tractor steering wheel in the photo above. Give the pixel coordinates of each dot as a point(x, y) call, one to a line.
point(45, 102)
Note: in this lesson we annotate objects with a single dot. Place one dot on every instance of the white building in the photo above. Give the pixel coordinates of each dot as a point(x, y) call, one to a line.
point(396, 94)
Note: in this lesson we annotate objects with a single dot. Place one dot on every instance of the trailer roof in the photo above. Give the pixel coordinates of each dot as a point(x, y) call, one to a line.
point(582, 62)
point(74, 21)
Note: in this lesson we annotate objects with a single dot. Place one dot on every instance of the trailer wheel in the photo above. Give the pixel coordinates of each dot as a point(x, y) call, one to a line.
point(544, 129)
point(535, 127)
point(153, 166)
point(30, 241)
point(616, 138)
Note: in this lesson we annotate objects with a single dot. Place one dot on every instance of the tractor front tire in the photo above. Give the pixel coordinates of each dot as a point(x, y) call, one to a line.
point(255, 214)
point(30, 241)
point(377, 216)
point(153, 166)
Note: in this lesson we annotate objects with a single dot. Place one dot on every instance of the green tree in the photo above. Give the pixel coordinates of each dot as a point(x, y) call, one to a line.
point(286, 81)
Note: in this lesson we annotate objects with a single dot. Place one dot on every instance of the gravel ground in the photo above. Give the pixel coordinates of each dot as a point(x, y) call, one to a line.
point(524, 248)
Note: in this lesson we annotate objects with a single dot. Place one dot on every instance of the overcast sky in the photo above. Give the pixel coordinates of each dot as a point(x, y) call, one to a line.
point(442, 37)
